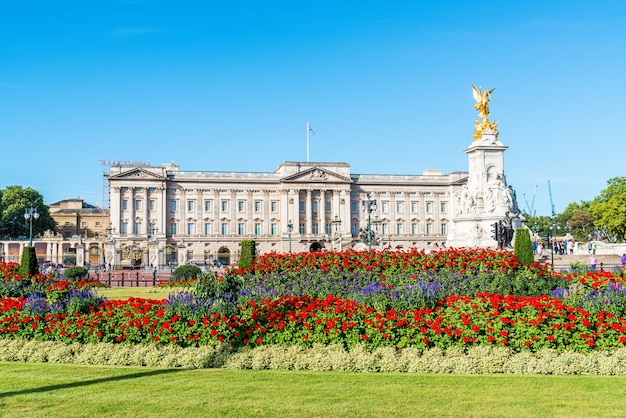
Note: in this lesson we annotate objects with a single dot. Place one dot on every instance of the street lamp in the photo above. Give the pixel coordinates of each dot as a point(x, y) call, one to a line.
point(289, 229)
point(336, 223)
point(552, 233)
point(30, 214)
point(369, 206)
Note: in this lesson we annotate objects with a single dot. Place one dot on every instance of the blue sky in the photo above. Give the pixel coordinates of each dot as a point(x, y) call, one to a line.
point(229, 86)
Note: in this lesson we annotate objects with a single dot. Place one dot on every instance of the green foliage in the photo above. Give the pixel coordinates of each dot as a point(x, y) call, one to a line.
point(28, 265)
point(75, 272)
point(13, 203)
point(210, 286)
point(186, 272)
point(609, 208)
point(248, 252)
point(522, 246)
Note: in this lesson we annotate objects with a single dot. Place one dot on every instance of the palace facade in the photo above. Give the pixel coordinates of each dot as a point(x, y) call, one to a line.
point(166, 216)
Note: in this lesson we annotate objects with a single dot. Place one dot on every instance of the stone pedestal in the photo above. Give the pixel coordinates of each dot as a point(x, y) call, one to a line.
point(485, 199)
point(80, 255)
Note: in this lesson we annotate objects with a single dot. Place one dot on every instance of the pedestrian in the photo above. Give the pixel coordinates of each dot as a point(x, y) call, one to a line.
point(154, 273)
point(593, 262)
point(594, 247)
point(624, 260)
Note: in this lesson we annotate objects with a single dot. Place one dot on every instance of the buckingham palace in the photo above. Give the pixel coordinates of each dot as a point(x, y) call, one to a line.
point(162, 215)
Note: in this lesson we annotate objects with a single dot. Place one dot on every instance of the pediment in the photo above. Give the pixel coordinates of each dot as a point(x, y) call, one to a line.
point(137, 173)
point(316, 175)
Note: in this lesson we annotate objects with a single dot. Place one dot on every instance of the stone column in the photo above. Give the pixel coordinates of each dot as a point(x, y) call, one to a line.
point(308, 213)
point(131, 212)
point(322, 211)
point(80, 254)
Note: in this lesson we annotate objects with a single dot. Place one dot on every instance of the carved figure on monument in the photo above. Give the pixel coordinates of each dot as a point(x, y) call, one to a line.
point(482, 101)
point(482, 105)
point(506, 228)
point(476, 232)
point(466, 201)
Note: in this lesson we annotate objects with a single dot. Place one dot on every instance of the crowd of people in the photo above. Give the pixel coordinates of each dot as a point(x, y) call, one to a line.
point(560, 247)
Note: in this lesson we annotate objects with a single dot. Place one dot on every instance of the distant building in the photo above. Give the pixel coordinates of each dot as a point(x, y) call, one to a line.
point(163, 215)
point(77, 217)
point(78, 223)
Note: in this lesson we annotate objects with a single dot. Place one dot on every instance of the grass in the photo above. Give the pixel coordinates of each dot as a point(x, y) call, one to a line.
point(49, 390)
point(138, 292)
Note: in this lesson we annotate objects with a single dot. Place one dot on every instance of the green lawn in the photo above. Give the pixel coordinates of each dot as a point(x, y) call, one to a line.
point(138, 292)
point(49, 390)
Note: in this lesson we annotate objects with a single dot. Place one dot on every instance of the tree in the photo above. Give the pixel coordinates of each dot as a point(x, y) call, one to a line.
point(28, 264)
point(609, 208)
point(248, 252)
point(522, 247)
point(13, 203)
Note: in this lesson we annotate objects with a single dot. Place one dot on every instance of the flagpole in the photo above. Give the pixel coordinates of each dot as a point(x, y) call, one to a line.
point(307, 141)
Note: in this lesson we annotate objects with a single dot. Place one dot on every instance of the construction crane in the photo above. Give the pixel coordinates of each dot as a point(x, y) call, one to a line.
point(551, 202)
point(531, 207)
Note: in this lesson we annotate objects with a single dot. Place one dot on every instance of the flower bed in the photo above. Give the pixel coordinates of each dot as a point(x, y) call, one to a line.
point(453, 299)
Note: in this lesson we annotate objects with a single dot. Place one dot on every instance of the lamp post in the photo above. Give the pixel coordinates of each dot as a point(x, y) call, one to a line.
point(30, 214)
point(552, 232)
point(369, 205)
point(289, 229)
point(336, 223)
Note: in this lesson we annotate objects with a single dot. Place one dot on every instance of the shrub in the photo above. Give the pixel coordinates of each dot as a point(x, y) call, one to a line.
point(186, 272)
point(28, 265)
point(523, 247)
point(248, 251)
point(75, 272)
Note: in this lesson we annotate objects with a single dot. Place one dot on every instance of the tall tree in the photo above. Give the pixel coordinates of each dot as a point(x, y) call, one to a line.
point(13, 203)
point(609, 208)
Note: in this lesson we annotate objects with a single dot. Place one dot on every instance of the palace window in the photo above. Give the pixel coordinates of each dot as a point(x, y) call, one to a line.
point(173, 228)
point(224, 205)
point(124, 204)
point(207, 228)
point(429, 229)
point(241, 228)
point(207, 206)
point(429, 207)
point(151, 204)
point(191, 205)
point(173, 205)
point(241, 205)
point(399, 229)
point(301, 228)
point(138, 204)
point(257, 206)
point(315, 228)
point(328, 207)
point(274, 229)
point(399, 207)
point(444, 229)
point(384, 207)
point(124, 228)
point(414, 228)
point(274, 206)
point(257, 229)
point(137, 228)
point(191, 228)
point(224, 228)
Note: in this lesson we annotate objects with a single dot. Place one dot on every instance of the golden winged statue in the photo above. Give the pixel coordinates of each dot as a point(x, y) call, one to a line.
point(482, 105)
